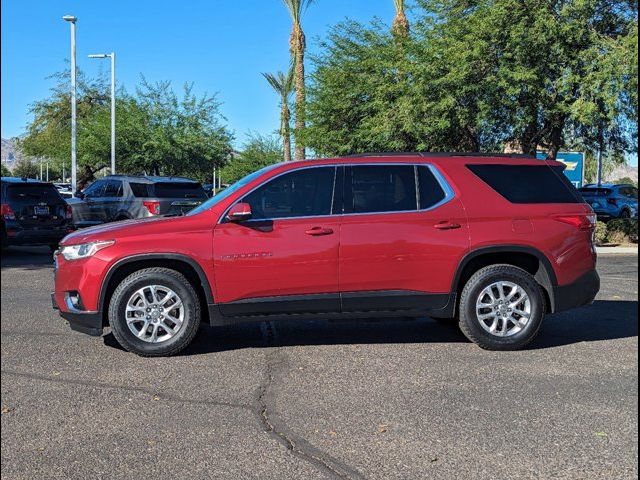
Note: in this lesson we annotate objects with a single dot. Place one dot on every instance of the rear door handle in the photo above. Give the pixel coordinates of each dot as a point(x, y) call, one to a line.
point(446, 225)
point(319, 231)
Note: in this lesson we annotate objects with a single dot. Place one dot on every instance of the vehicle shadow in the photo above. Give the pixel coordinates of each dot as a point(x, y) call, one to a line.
point(31, 258)
point(604, 320)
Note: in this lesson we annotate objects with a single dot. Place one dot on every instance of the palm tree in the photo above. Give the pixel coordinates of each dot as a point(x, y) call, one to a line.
point(282, 84)
point(297, 45)
point(400, 23)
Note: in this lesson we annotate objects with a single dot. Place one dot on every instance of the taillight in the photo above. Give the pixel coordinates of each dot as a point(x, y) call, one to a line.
point(68, 212)
point(584, 222)
point(153, 206)
point(7, 212)
point(612, 201)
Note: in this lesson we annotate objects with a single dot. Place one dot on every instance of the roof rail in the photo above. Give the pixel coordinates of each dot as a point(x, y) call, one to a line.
point(440, 154)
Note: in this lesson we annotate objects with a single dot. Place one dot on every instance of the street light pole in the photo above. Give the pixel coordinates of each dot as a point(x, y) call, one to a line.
point(112, 56)
point(74, 166)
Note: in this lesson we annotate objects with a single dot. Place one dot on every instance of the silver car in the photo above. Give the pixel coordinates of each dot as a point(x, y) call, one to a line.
point(125, 197)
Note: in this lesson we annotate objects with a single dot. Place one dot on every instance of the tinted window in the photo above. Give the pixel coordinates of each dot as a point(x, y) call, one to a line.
point(179, 190)
point(112, 188)
point(33, 193)
point(528, 183)
point(630, 192)
point(95, 189)
point(302, 193)
point(431, 191)
point(383, 188)
point(139, 189)
point(592, 191)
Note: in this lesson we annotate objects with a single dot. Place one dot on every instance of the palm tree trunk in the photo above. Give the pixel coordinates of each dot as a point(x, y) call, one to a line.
point(285, 131)
point(400, 26)
point(297, 44)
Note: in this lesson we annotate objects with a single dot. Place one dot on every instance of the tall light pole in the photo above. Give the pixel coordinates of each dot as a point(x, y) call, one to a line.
point(112, 56)
point(74, 166)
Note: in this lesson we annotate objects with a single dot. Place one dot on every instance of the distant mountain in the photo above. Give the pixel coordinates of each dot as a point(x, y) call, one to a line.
point(10, 154)
point(622, 171)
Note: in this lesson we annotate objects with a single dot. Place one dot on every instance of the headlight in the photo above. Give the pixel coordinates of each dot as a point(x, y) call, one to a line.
point(84, 250)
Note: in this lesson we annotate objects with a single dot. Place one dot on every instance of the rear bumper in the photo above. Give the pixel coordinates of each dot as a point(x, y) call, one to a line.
point(577, 294)
point(35, 237)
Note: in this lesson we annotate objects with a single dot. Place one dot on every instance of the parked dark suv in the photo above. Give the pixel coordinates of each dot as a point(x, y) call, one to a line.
point(33, 213)
point(124, 197)
point(493, 242)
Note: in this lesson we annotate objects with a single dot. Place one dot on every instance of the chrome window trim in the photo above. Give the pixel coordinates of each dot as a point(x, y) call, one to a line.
point(447, 189)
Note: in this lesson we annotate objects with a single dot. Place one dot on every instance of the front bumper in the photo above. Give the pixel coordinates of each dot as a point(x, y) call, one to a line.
point(87, 322)
point(577, 294)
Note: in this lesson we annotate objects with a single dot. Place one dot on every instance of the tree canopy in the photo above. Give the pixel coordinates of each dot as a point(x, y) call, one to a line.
point(157, 131)
point(480, 75)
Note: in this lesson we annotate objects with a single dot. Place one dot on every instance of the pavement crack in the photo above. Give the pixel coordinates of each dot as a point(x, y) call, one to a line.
point(152, 393)
point(276, 362)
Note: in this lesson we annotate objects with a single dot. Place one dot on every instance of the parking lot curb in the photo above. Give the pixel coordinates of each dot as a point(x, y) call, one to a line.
point(617, 250)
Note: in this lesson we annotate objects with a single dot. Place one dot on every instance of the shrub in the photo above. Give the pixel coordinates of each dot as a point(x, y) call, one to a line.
point(623, 230)
point(601, 233)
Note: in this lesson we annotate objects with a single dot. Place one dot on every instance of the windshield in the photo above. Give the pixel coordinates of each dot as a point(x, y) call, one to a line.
point(229, 190)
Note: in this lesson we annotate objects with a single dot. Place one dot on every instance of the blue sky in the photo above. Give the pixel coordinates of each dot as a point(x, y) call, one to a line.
point(195, 40)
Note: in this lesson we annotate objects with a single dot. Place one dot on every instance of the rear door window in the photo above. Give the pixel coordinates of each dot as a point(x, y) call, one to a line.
point(179, 190)
point(112, 188)
point(528, 183)
point(301, 193)
point(380, 189)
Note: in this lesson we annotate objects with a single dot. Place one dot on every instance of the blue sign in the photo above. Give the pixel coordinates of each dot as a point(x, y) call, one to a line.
point(575, 165)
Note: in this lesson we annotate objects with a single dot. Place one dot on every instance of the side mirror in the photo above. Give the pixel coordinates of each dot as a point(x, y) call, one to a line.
point(239, 212)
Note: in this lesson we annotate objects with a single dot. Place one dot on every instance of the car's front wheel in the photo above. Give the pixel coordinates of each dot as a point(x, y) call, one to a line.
point(154, 312)
point(501, 308)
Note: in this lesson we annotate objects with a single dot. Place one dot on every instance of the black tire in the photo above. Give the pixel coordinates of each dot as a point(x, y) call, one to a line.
point(625, 213)
point(162, 277)
point(469, 322)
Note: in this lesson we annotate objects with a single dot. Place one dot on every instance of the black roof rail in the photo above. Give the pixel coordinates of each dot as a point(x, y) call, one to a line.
point(440, 154)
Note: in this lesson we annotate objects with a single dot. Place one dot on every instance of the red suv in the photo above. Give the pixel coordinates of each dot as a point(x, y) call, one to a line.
point(495, 242)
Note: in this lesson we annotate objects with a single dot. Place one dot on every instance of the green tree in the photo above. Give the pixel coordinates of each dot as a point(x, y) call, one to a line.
point(5, 171)
point(297, 46)
point(283, 85)
point(25, 168)
point(49, 133)
point(533, 74)
point(157, 132)
point(258, 152)
point(184, 136)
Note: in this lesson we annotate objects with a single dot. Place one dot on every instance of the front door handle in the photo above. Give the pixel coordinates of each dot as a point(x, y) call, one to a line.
point(446, 225)
point(319, 231)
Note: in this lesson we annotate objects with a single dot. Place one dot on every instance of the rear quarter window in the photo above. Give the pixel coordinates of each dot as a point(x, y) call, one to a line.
point(178, 190)
point(528, 183)
point(139, 190)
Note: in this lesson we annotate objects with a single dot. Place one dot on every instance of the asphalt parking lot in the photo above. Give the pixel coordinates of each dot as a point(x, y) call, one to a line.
point(319, 399)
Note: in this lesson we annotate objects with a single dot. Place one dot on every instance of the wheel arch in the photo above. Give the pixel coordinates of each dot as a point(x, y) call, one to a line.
point(529, 259)
point(187, 266)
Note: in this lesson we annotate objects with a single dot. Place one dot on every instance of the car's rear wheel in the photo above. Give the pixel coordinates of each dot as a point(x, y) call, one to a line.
point(154, 312)
point(501, 308)
point(625, 213)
